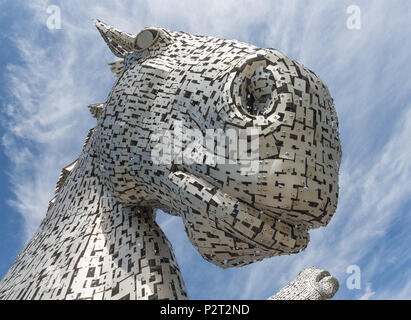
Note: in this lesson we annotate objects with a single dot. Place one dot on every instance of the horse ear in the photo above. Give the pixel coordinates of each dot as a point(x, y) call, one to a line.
point(120, 43)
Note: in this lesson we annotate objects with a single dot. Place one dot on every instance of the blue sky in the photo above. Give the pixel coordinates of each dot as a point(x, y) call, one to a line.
point(48, 77)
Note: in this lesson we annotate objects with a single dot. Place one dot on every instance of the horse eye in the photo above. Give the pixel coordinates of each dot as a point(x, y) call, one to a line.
point(146, 38)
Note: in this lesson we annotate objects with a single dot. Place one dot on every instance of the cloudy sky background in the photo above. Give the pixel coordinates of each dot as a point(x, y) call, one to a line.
point(49, 77)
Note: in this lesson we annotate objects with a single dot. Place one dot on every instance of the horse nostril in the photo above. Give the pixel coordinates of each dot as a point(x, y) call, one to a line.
point(255, 91)
point(249, 103)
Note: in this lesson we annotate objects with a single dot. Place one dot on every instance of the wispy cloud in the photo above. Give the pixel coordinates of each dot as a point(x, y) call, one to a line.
point(368, 293)
point(50, 92)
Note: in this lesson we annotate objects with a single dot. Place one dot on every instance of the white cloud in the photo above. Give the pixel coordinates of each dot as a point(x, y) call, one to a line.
point(368, 293)
point(49, 116)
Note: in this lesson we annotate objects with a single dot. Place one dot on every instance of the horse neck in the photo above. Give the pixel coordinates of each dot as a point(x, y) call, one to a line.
point(90, 246)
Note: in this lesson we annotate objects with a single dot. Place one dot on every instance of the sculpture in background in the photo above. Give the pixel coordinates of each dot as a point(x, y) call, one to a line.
point(310, 284)
point(240, 142)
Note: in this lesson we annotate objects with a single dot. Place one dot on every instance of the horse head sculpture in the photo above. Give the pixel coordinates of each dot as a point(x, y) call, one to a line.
point(241, 142)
